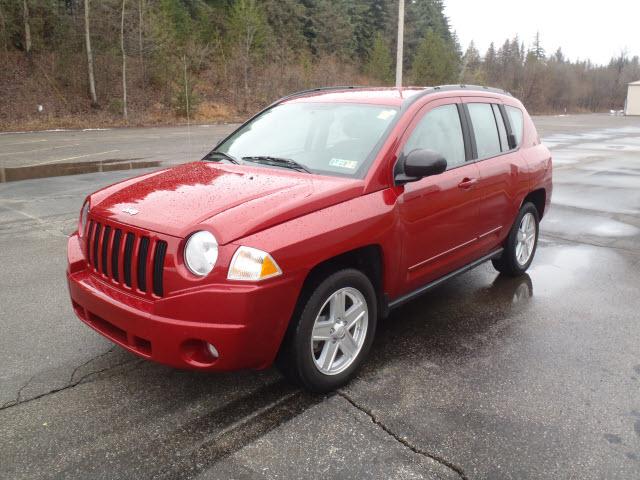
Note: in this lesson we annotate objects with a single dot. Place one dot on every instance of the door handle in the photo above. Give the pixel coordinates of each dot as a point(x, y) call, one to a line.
point(467, 183)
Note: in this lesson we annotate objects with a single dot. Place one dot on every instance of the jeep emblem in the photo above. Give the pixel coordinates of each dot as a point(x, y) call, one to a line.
point(130, 211)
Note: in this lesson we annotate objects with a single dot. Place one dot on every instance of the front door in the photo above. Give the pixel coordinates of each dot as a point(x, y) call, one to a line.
point(439, 213)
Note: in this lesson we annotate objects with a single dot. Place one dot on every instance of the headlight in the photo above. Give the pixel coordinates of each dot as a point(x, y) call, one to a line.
point(84, 214)
point(251, 264)
point(201, 253)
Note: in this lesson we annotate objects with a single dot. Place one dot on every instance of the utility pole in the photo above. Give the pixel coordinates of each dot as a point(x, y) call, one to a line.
point(399, 52)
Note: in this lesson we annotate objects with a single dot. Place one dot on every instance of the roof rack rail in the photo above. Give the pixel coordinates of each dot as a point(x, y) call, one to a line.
point(481, 88)
point(443, 88)
point(313, 90)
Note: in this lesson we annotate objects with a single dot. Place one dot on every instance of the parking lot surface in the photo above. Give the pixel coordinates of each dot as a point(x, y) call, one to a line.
point(482, 377)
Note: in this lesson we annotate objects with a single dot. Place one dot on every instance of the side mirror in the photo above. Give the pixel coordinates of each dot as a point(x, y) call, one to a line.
point(418, 164)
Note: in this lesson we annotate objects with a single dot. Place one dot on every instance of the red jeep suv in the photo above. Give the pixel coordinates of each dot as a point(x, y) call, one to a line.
point(307, 224)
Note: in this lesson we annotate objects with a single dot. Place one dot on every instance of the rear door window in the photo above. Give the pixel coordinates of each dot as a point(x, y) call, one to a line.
point(440, 130)
point(485, 129)
point(517, 122)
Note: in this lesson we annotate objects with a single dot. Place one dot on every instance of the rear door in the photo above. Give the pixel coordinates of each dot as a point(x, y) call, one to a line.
point(439, 213)
point(502, 171)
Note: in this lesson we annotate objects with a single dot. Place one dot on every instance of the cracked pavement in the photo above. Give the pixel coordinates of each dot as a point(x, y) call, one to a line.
point(482, 378)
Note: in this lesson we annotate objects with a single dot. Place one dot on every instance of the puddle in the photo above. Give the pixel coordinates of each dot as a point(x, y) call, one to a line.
point(559, 222)
point(598, 198)
point(559, 268)
point(13, 174)
point(570, 157)
point(611, 146)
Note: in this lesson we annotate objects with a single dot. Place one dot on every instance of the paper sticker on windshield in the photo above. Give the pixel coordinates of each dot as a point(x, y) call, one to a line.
point(386, 114)
point(339, 162)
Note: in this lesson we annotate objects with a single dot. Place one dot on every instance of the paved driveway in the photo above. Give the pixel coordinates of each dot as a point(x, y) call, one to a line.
point(483, 377)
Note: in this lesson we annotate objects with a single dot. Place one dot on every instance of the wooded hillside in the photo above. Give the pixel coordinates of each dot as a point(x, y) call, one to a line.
point(92, 63)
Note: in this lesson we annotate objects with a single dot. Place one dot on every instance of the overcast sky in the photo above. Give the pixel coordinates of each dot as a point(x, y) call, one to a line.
point(584, 29)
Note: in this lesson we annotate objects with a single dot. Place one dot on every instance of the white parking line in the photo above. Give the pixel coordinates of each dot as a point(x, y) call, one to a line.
point(70, 158)
point(39, 150)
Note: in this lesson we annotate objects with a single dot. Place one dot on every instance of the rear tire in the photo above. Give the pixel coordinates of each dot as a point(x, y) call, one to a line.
point(520, 246)
point(331, 332)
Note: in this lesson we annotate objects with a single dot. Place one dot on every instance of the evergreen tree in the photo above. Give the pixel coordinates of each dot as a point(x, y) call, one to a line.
point(471, 65)
point(328, 28)
point(490, 63)
point(538, 51)
point(434, 63)
point(421, 16)
point(237, 55)
point(380, 64)
point(248, 29)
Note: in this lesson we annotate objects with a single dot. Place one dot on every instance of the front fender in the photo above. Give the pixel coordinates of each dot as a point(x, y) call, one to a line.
point(300, 244)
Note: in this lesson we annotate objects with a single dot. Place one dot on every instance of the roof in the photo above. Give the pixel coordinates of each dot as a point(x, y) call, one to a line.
point(637, 82)
point(378, 95)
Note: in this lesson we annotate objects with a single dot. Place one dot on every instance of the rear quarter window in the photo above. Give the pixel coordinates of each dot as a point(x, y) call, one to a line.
point(516, 119)
point(502, 130)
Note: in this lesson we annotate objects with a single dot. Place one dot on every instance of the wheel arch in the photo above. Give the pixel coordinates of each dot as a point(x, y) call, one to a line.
point(368, 259)
point(538, 197)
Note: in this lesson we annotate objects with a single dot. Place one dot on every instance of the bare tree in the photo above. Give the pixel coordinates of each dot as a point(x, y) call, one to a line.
point(27, 27)
point(140, 43)
point(124, 64)
point(87, 41)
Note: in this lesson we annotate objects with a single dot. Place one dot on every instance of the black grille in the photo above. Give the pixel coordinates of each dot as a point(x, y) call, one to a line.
point(105, 248)
point(115, 255)
point(128, 253)
point(96, 243)
point(142, 263)
point(158, 266)
point(105, 251)
point(89, 237)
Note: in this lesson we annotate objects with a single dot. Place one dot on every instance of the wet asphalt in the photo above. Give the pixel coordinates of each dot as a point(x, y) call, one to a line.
point(483, 377)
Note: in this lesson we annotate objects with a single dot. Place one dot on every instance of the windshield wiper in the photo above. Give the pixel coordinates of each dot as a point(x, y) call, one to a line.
point(278, 162)
point(218, 153)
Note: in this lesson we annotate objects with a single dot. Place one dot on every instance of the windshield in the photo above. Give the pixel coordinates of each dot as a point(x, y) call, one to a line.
point(326, 138)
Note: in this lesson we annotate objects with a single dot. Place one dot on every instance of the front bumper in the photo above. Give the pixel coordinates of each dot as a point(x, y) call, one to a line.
point(244, 322)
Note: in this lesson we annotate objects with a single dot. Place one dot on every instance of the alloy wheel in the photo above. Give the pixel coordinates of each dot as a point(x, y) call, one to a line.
point(339, 331)
point(526, 239)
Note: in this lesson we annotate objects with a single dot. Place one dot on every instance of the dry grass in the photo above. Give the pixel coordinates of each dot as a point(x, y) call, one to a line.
point(215, 112)
point(158, 114)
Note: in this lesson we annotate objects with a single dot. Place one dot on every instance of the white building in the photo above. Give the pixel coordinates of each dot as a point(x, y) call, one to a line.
point(632, 105)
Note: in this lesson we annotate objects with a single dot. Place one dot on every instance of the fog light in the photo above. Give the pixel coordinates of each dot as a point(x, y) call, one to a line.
point(212, 350)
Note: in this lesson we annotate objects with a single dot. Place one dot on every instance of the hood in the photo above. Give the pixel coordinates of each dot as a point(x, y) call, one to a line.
point(231, 200)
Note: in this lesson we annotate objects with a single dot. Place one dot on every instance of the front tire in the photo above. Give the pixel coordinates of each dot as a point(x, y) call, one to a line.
point(520, 246)
point(332, 334)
